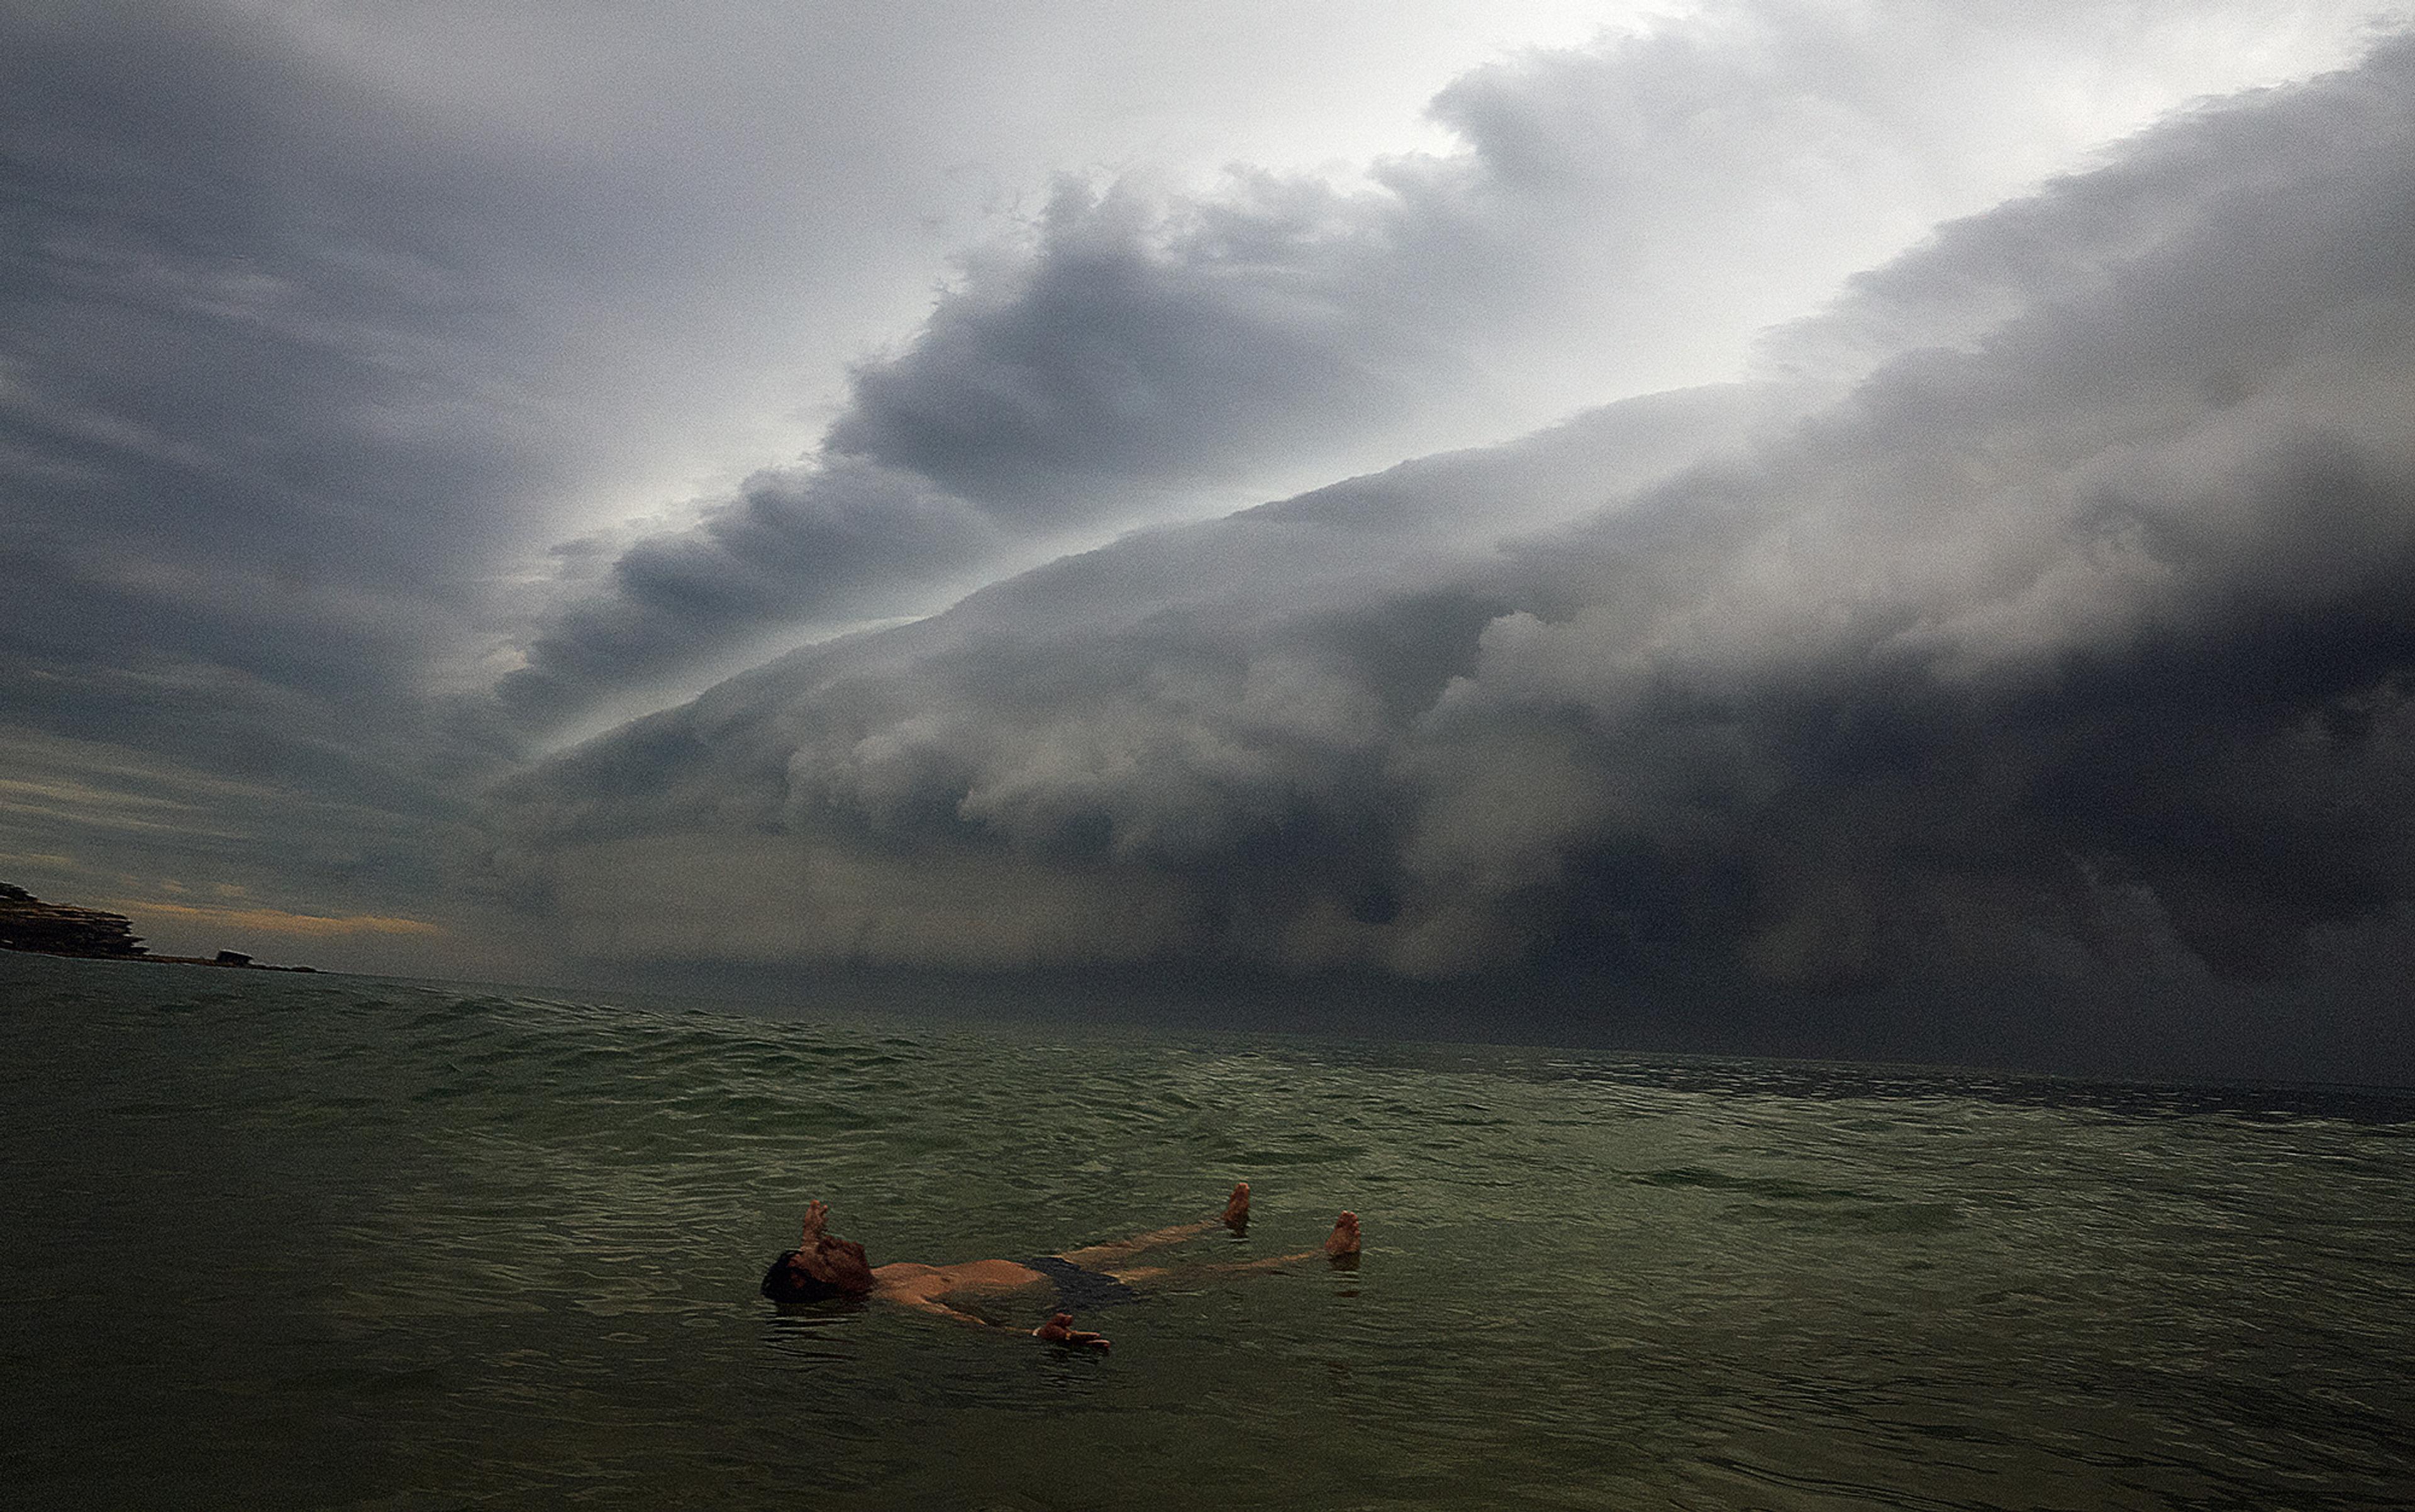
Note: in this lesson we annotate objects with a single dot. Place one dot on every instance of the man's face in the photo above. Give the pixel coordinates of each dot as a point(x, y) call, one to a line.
point(838, 1263)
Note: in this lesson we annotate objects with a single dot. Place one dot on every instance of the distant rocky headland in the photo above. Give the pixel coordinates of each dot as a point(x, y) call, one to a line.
point(28, 923)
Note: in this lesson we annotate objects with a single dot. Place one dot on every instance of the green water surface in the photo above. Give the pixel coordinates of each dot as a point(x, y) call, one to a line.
point(292, 1242)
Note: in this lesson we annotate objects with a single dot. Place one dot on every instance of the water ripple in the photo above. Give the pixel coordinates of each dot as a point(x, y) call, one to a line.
point(325, 1241)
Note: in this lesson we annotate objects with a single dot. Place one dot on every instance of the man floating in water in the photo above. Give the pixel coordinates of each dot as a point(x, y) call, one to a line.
point(824, 1266)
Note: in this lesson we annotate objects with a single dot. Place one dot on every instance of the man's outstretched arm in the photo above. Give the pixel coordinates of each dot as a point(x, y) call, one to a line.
point(1057, 1329)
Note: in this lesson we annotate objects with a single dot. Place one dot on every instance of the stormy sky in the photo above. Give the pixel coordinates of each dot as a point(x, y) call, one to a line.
point(1823, 528)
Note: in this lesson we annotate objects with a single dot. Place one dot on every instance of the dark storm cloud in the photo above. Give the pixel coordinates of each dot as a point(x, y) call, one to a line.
point(239, 393)
point(318, 325)
point(2078, 649)
point(235, 394)
point(1073, 383)
point(1619, 218)
point(1124, 354)
point(852, 537)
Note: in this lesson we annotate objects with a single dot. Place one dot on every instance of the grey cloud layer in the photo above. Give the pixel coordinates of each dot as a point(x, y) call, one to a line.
point(1620, 219)
point(295, 370)
point(319, 325)
point(241, 389)
point(2079, 649)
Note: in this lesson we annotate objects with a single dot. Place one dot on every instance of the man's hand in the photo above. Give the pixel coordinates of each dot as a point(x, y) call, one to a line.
point(1341, 1245)
point(1060, 1330)
point(1236, 1209)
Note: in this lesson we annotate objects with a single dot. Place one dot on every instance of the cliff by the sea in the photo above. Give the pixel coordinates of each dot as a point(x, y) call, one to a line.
point(28, 923)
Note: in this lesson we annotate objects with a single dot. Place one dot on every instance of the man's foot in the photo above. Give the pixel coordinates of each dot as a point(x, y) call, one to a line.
point(1060, 1330)
point(816, 1218)
point(1341, 1245)
point(1236, 1207)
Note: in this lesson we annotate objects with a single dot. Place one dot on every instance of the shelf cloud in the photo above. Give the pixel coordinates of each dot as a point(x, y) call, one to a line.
point(1615, 219)
point(1812, 525)
point(2069, 641)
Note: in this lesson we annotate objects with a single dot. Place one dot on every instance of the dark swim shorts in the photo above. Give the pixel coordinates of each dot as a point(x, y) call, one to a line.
point(1080, 1290)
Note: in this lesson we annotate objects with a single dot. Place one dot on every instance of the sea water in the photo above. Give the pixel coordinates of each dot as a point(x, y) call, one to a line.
point(285, 1241)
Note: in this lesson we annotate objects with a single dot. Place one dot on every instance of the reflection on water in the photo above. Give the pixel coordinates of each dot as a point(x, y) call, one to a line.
point(312, 1242)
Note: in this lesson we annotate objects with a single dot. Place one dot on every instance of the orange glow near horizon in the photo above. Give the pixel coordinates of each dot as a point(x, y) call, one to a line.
point(276, 921)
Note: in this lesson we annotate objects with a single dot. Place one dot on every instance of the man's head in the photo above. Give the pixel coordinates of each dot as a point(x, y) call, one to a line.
point(825, 1267)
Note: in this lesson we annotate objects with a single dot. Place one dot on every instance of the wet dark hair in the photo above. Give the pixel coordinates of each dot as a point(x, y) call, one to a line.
point(834, 1268)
